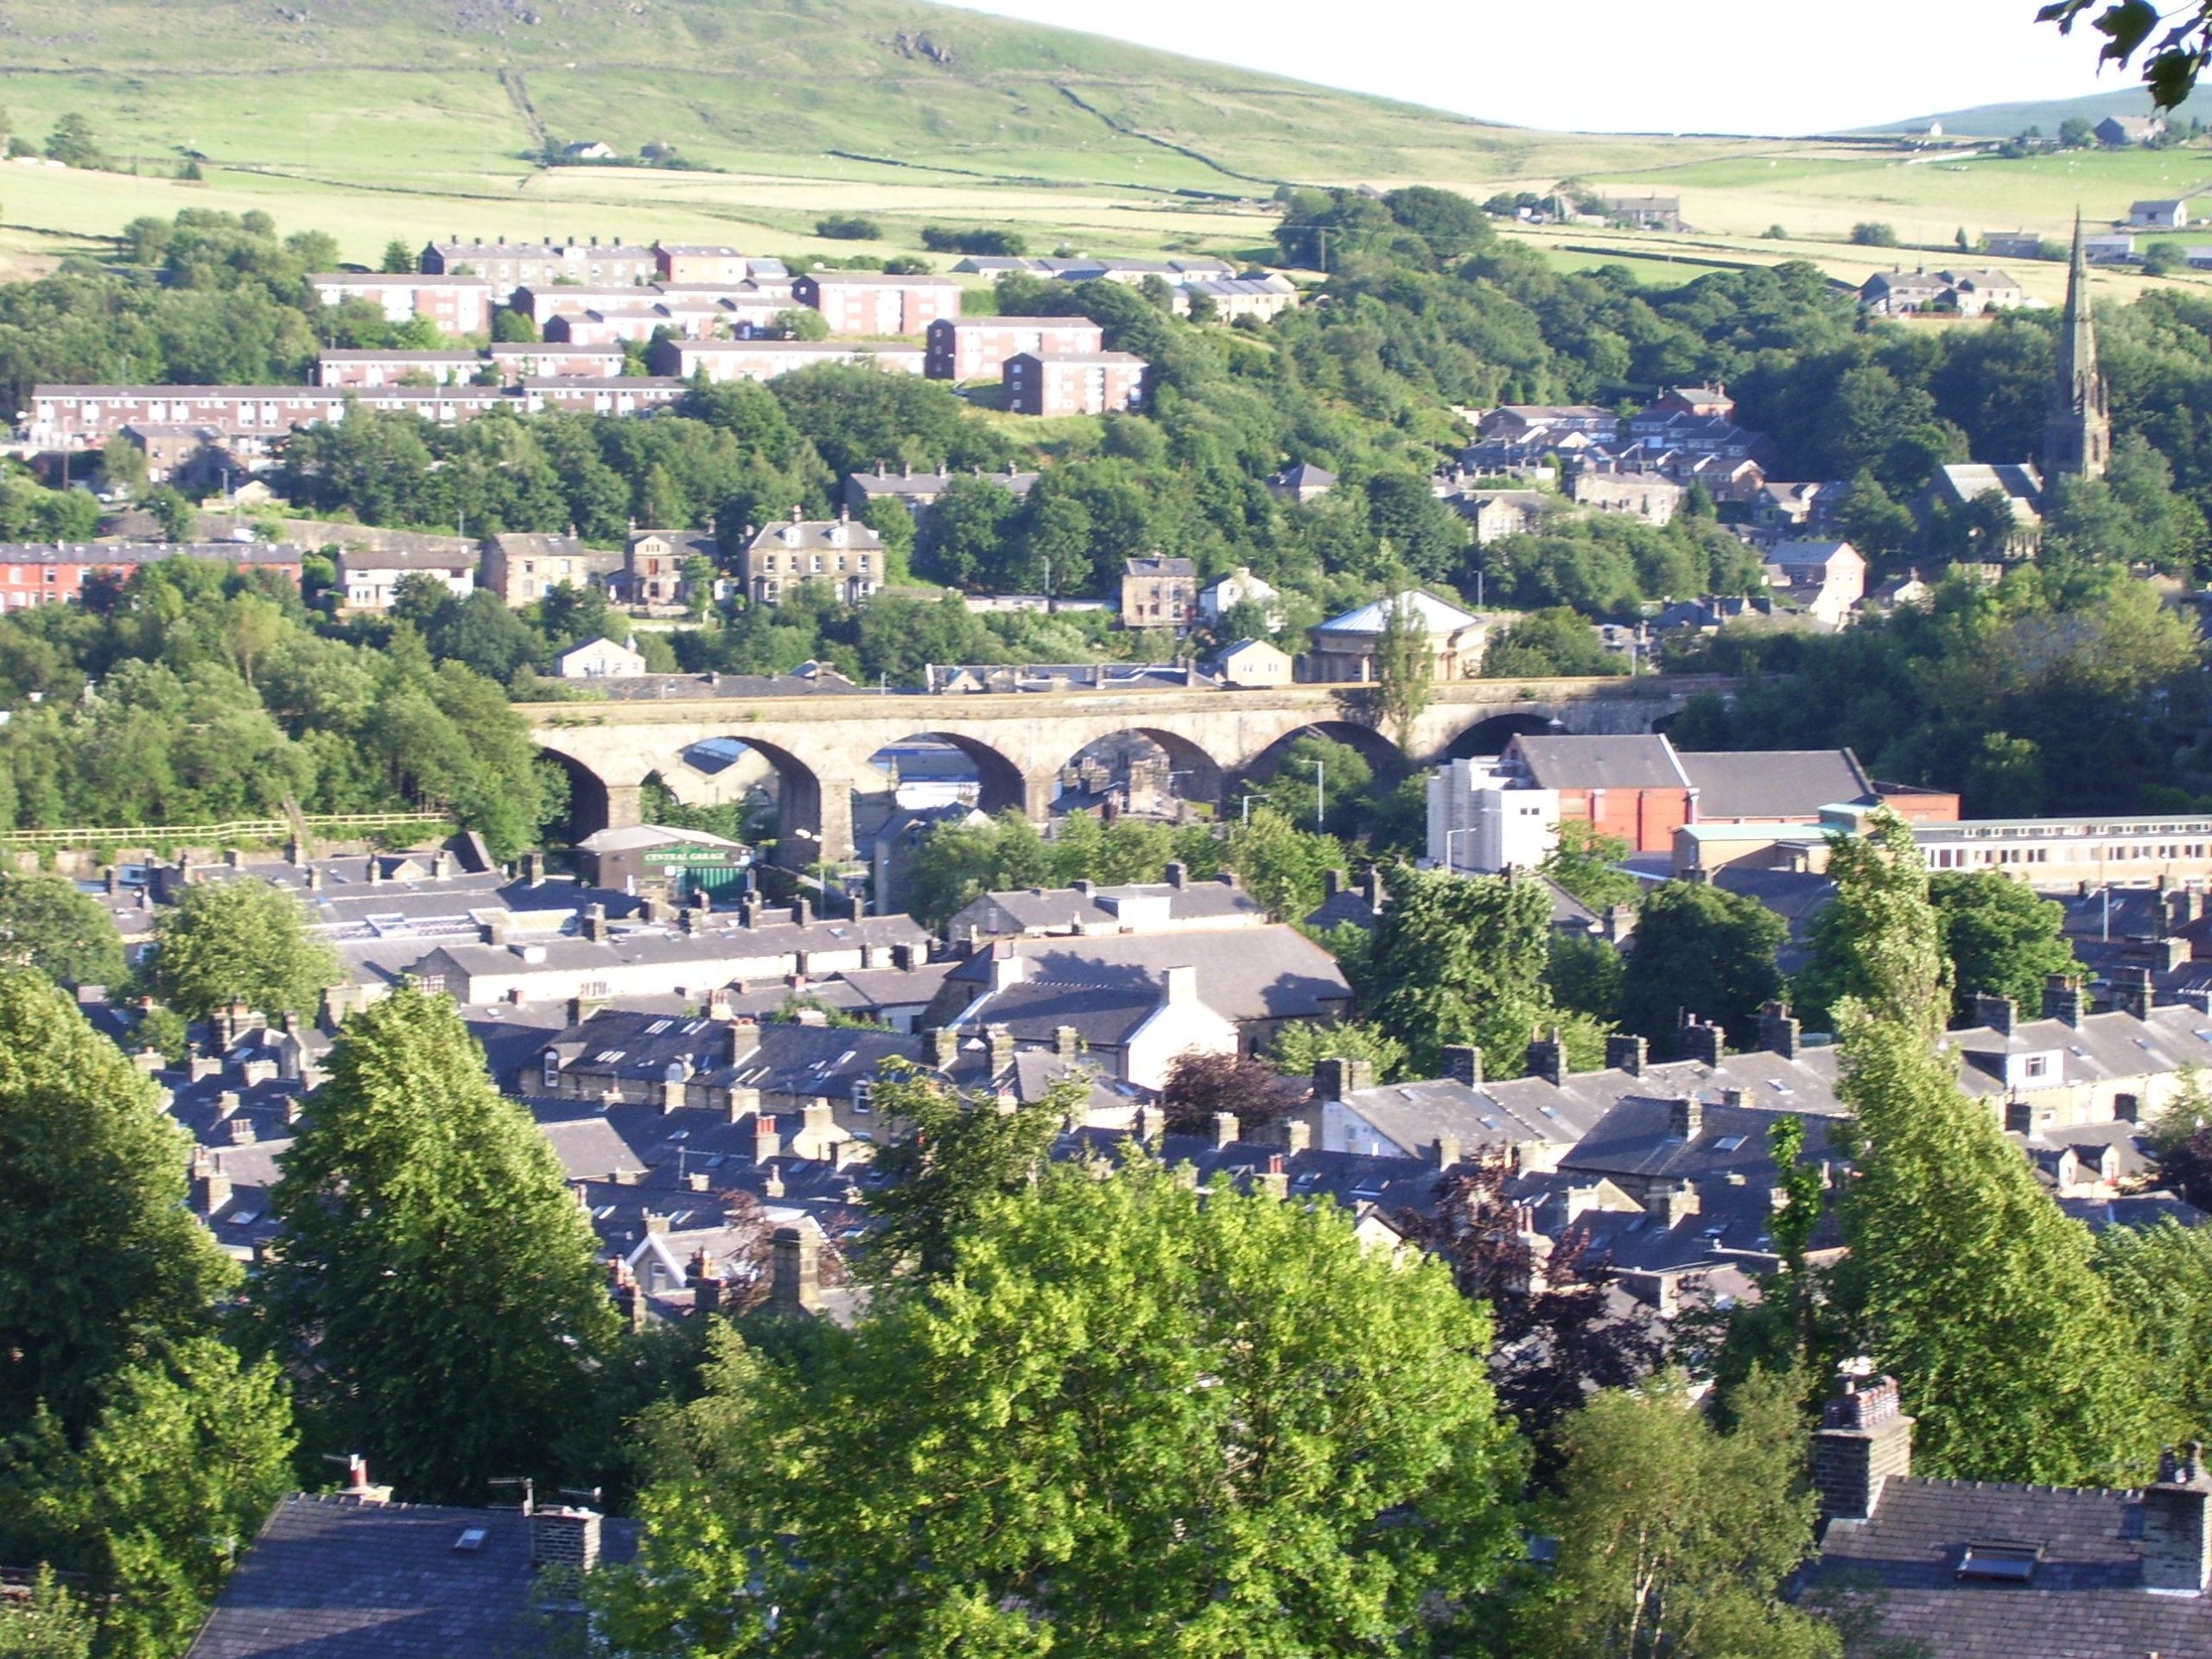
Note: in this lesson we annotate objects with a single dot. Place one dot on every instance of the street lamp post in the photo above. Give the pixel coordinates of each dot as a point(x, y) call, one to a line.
point(1320, 798)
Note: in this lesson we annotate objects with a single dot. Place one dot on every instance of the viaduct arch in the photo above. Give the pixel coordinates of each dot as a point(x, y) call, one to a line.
point(820, 743)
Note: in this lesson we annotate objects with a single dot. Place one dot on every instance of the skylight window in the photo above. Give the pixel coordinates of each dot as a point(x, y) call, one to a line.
point(1729, 1143)
point(2002, 1561)
point(471, 1538)
point(609, 1056)
point(659, 1027)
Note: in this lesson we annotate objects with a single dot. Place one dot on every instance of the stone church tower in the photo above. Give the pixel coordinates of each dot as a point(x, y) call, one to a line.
point(2077, 431)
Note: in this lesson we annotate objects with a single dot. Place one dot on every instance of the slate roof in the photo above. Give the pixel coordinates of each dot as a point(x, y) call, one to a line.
point(2084, 1600)
point(1600, 762)
point(1063, 909)
point(331, 1580)
point(781, 1058)
point(2105, 1047)
point(1243, 974)
point(1416, 1114)
point(1775, 783)
point(1635, 1139)
point(1436, 615)
point(1102, 1016)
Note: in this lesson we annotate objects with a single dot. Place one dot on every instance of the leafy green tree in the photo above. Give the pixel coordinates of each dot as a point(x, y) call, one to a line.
point(245, 941)
point(123, 464)
point(1702, 950)
point(72, 144)
point(173, 1478)
point(46, 1622)
point(1132, 1420)
point(1405, 671)
point(2000, 937)
point(1584, 976)
point(133, 1433)
point(1547, 643)
point(1676, 1538)
point(398, 259)
point(1964, 1280)
point(174, 512)
point(1298, 1048)
point(2161, 1279)
point(1587, 862)
point(1870, 234)
point(1319, 772)
point(1285, 868)
point(437, 1294)
point(953, 1154)
point(1461, 959)
point(99, 1261)
point(46, 923)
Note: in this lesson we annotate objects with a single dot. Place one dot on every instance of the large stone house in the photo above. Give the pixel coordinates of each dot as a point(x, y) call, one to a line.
point(1343, 647)
point(846, 555)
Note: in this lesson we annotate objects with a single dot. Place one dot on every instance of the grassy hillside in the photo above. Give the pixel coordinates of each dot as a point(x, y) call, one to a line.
point(419, 118)
point(402, 87)
point(2004, 120)
point(372, 117)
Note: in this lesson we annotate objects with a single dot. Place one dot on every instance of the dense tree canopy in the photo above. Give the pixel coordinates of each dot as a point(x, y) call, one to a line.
point(1131, 1418)
point(437, 1295)
point(242, 940)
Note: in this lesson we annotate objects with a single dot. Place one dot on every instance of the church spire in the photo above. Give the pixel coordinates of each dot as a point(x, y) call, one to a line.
point(2077, 431)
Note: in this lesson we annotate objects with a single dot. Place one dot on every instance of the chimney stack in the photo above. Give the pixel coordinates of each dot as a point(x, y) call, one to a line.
point(1625, 1053)
point(1178, 875)
point(1446, 1149)
point(1779, 1032)
point(796, 1287)
point(1685, 1117)
point(1863, 1439)
point(1547, 1060)
point(1335, 1079)
point(2177, 1541)
point(562, 1536)
point(1463, 1063)
point(1297, 1137)
point(767, 1142)
point(1065, 1042)
point(1997, 1013)
point(211, 1186)
point(2131, 991)
point(595, 922)
point(2063, 999)
point(1701, 1042)
point(944, 1047)
point(1000, 1039)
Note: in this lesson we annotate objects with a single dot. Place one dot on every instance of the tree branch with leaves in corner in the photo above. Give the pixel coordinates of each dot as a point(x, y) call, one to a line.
point(2171, 66)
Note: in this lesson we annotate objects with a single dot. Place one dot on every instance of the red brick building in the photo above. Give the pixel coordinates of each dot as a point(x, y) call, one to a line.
point(971, 348)
point(1631, 787)
point(390, 368)
point(458, 305)
point(764, 360)
point(875, 302)
point(1076, 382)
point(50, 573)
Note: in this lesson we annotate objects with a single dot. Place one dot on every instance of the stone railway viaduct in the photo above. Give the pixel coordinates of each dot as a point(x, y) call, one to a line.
point(820, 742)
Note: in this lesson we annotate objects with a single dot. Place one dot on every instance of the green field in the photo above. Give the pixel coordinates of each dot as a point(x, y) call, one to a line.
point(417, 118)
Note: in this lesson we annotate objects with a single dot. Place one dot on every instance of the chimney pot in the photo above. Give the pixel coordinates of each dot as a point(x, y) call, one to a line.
point(1463, 1063)
point(1625, 1053)
point(1226, 1128)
